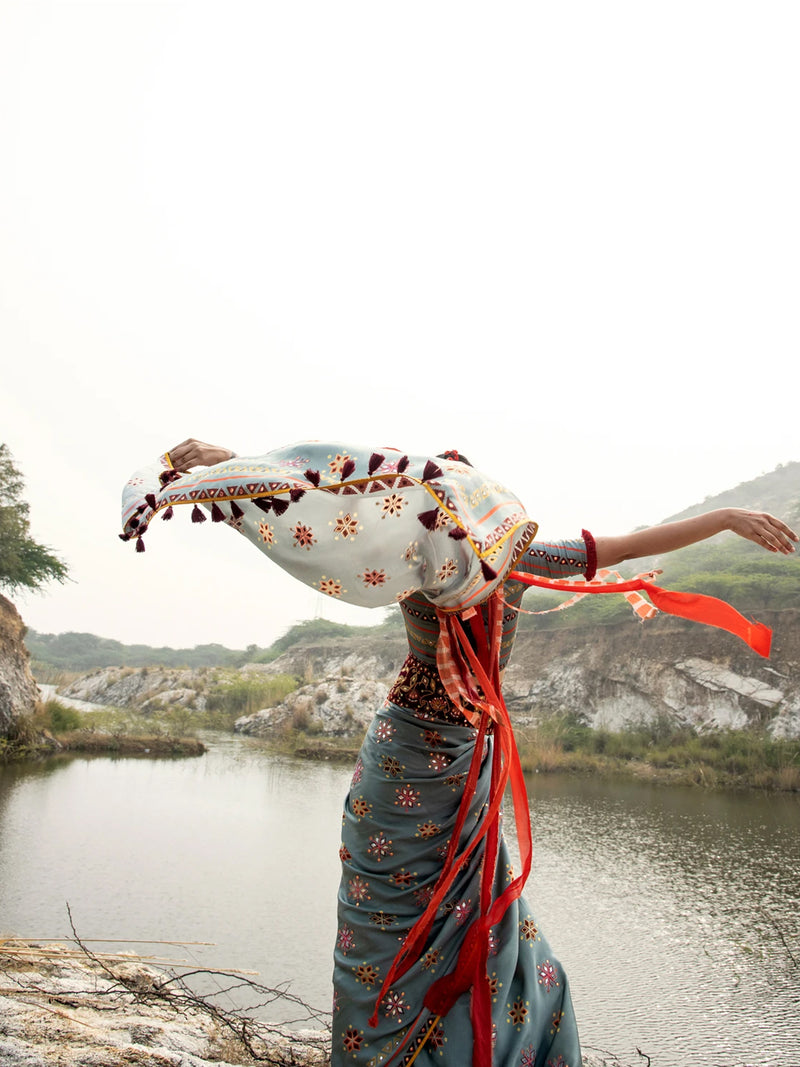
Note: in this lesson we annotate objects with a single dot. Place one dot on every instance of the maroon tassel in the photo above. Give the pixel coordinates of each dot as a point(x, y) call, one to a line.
point(347, 468)
point(197, 514)
point(402, 464)
point(217, 514)
point(133, 523)
point(375, 461)
point(279, 505)
point(457, 534)
point(151, 500)
point(168, 514)
point(428, 518)
point(236, 511)
point(296, 494)
point(140, 544)
point(432, 470)
point(313, 477)
point(263, 502)
point(124, 537)
point(487, 571)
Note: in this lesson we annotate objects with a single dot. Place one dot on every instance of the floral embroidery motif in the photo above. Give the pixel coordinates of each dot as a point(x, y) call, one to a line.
point(528, 1058)
point(557, 1016)
point(438, 761)
point(360, 807)
point(266, 533)
point(346, 525)
point(548, 976)
point(382, 919)
point(431, 958)
point(437, 1039)
point(518, 1012)
point(559, 1061)
point(373, 578)
point(495, 985)
point(358, 890)
point(352, 1039)
point(455, 781)
point(366, 974)
point(346, 939)
point(393, 767)
point(447, 570)
point(528, 930)
point(380, 846)
point(494, 943)
point(303, 536)
point(395, 1005)
point(427, 829)
point(433, 738)
point(402, 877)
point(345, 854)
point(330, 586)
point(384, 731)
point(410, 554)
point(358, 770)
point(391, 505)
point(422, 897)
point(336, 465)
point(407, 797)
point(462, 911)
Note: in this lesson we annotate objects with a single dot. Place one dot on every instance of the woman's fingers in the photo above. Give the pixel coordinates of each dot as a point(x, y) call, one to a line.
point(765, 530)
point(193, 453)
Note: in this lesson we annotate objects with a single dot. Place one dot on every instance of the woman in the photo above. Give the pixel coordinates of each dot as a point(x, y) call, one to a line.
point(437, 957)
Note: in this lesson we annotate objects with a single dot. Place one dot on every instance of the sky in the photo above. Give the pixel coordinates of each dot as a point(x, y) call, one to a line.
point(561, 238)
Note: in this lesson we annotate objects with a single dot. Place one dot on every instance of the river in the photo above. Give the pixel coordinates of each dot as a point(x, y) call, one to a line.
point(676, 912)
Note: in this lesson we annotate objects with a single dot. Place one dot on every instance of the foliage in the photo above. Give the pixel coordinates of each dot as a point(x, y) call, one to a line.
point(669, 751)
point(24, 563)
point(246, 694)
point(61, 718)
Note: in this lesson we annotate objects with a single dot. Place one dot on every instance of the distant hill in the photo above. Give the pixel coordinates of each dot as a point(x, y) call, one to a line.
point(725, 566)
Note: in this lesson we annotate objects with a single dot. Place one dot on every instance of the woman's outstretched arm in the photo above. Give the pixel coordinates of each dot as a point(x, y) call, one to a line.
point(757, 526)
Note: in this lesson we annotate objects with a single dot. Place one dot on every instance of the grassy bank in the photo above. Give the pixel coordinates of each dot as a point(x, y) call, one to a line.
point(57, 728)
point(662, 752)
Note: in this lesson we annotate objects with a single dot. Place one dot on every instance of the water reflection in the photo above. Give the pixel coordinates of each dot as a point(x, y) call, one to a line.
point(671, 909)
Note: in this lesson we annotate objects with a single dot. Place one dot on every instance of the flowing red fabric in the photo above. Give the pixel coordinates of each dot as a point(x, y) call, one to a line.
point(469, 973)
point(705, 609)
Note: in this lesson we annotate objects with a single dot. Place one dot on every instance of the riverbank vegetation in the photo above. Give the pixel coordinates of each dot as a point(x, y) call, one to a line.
point(663, 752)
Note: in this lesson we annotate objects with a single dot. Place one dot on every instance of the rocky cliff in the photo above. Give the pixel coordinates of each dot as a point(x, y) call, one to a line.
point(18, 691)
point(610, 676)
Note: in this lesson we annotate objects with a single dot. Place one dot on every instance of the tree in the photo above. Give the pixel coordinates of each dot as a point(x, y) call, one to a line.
point(24, 563)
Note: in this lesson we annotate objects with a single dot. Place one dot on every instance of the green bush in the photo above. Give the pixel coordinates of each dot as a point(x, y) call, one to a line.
point(61, 719)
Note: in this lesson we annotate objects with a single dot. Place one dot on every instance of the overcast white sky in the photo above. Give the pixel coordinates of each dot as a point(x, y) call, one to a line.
point(562, 238)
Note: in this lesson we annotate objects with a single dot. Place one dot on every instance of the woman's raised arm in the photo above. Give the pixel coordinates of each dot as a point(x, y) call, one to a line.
point(757, 526)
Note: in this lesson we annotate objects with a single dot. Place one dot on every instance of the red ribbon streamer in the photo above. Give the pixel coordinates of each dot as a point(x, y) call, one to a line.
point(705, 609)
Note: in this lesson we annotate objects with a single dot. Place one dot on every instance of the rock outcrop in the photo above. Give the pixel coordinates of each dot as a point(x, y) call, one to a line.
point(610, 677)
point(18, 690)
point(58, 1009)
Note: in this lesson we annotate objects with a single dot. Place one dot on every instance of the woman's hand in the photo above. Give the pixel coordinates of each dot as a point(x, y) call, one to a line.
point(192, 453)
point(756, 526)
point(762, 528)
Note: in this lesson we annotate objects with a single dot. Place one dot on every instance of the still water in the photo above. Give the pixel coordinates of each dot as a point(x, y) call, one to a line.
point(675, 912)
